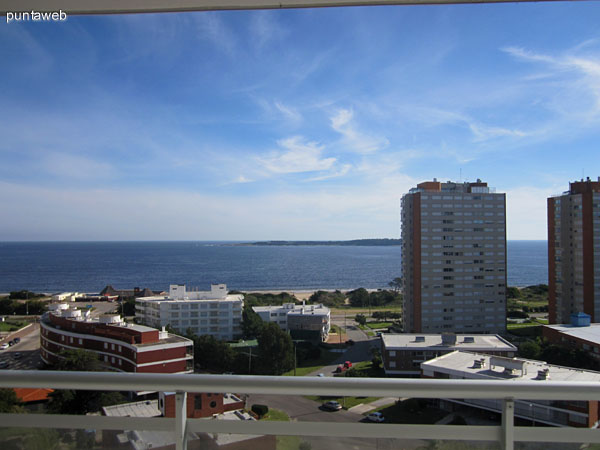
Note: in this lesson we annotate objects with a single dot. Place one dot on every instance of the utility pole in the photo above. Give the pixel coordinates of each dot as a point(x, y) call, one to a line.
point(295, 359)
point(250, 362)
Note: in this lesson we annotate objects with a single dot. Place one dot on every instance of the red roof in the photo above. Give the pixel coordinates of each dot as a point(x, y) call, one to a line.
point(27, 395)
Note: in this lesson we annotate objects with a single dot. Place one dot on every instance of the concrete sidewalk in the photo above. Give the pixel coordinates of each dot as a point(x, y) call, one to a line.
point(366, 407)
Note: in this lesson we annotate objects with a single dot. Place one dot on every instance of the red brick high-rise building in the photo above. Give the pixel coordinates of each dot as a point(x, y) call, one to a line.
point(574, 252)
point(454, 258)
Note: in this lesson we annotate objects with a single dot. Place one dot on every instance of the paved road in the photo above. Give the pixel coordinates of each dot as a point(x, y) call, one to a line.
point(29, 349)
point(360, 351)
point(305, 410)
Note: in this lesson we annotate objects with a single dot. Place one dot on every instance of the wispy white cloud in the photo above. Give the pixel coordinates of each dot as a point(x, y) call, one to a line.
point(483, 132)
point(242, 179)
point(264, 28)
point(342, 121)
point(213, 28)
point(297, 156)
point(569, 96)
point(289, 113)
point(343, 170)
point(71, 166)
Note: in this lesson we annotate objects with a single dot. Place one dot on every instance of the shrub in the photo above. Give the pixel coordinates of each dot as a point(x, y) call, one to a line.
point(260, 410)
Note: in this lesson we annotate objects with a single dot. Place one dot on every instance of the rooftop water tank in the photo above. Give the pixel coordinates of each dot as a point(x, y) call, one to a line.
point(580, 319)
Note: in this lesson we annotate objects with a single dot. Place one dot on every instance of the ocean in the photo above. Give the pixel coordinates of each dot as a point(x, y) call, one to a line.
point(90, 266)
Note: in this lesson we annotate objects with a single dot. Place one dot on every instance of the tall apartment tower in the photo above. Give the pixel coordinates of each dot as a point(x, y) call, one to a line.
point(574, 252)
point(454, 258)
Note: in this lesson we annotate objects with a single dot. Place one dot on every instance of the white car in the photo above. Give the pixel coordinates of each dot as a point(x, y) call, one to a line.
point(332, 405)
point(4, 346)
point(376, 417)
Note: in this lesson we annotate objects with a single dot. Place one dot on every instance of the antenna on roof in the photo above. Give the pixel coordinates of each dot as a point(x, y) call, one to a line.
point(460, 175)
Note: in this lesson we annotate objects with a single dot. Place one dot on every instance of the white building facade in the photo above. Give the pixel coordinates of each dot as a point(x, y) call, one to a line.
point(302, 321)
point(454, 258)
point(460, 365)
point(213, 312)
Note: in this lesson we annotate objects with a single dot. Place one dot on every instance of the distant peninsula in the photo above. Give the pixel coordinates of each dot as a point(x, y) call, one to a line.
point(353, 242)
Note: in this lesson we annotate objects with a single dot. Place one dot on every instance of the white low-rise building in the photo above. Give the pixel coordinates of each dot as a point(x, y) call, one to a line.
point(310, 322)
point(403, 354)
point(213, 312)
point(67, 296)
point(460, 365)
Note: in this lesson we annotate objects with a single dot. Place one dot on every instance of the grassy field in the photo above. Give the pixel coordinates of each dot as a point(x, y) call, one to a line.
point(283, 442)
point(335, 329)
point(351, 311)
point(276, 415)
point(288, 443)
point(10, 325)
point(311, 365)
point(524, 329)
point(378, 325)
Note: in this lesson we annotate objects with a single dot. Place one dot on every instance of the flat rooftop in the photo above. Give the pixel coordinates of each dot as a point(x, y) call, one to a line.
point(166, 298)
point(147, 408)
point(423, 341)
point(296, 310)
point(170, 339)
point(462, 363)
point(589, 333)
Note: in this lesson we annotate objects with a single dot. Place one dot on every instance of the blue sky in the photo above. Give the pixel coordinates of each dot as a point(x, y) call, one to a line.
point(295, 124)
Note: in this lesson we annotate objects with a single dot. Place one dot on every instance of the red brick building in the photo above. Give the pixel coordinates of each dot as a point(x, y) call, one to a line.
point(200, 404)
point(120, 346)
point(574, 252)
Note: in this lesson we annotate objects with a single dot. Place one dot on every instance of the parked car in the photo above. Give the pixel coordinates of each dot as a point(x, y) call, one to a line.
point(11, 343)
point(3, 364)
point(376, 417)
point(17, 355)
point(4, 346)
point(17, 340)
point(332, 405)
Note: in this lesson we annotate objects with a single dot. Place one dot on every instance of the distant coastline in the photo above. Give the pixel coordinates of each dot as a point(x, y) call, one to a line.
point(354, 242)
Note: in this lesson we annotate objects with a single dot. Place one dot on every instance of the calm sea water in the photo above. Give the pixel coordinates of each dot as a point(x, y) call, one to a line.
point(89, 266)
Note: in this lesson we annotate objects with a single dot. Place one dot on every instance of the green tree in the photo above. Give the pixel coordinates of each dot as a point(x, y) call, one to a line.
point(7, 306)
point(251, 323)
point(529, 350)
point(78, 360)
point(275, 350)
point(330, 299)
point(69, 401)
point(513, 292)
point(23, 295)
point(396, 284)
point(359, 297)
point(360, 319)
point(84, 439)
point(127, 307)
point(9, 402)
point(213, 354)
point(570, 357)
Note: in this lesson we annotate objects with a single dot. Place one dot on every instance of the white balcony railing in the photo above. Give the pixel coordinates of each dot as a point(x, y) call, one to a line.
point(507, 391)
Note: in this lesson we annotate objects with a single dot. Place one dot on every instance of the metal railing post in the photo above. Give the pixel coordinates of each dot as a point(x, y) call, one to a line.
point(508, 424)
point(181, 420)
